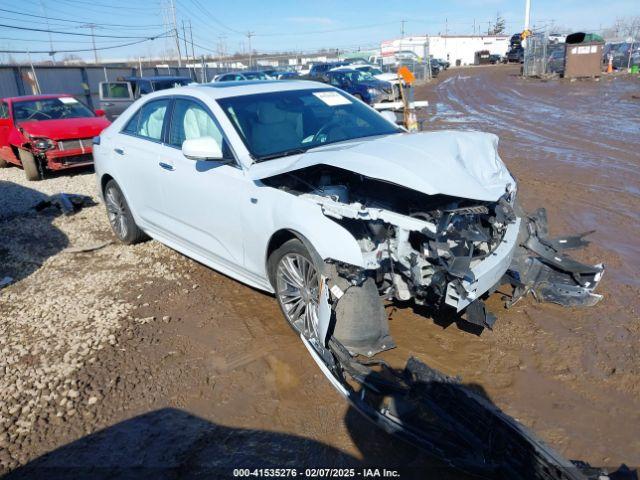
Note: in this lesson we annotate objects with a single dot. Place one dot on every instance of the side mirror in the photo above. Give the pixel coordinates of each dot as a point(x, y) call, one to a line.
point(100, 112)
point(203, 148)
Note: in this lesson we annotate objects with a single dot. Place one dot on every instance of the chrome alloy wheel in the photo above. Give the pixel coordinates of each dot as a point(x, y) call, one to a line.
point(116, 209)
point(298, 291)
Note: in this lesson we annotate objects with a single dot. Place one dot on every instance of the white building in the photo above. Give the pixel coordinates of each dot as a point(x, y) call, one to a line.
point(456, 49)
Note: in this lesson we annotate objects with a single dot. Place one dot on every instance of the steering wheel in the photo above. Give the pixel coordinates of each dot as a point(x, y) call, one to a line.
point(324, 128)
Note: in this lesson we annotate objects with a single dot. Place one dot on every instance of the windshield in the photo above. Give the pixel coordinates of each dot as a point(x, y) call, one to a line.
point(283, 123)
point(358, 75)
point(50, 109)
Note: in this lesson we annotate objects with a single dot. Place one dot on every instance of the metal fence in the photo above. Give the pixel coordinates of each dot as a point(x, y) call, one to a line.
point(536, 56)
point(543, 57)
point(83, 82)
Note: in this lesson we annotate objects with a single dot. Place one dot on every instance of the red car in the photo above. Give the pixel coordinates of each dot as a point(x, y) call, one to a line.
point(47, 132)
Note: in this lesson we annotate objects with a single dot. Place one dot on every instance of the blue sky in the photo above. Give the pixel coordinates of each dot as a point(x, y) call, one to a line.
point(301, 25)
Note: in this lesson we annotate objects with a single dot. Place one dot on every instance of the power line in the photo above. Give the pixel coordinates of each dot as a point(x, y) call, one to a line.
point(82, 50)
point(151, 37)
point(102, 5)
point(77, 21)
point(207, 13)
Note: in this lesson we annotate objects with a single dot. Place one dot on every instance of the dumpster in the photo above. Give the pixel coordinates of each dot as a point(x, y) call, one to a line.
point(482, 57)
point(583, 55)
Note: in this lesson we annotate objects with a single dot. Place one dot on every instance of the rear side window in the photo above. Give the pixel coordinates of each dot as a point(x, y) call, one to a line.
point(4, 111)
point(148, 121)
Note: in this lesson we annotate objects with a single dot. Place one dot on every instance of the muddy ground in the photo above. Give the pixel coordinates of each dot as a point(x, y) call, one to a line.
point(139, 357)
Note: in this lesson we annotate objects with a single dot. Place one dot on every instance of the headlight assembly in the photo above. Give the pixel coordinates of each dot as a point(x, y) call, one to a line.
point(43, 143)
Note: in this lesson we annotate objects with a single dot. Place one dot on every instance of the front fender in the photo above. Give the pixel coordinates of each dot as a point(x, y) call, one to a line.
point(272, 210)
point(328, 238)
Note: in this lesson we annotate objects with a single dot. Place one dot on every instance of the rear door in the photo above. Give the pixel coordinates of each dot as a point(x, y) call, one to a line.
point(138, 154)
point(115, 97)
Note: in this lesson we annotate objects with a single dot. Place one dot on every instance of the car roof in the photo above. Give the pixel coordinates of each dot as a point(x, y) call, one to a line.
point(31, 98)
point(218, 90)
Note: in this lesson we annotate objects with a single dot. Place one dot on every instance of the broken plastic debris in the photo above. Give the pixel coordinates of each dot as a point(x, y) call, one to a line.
point(67, 203)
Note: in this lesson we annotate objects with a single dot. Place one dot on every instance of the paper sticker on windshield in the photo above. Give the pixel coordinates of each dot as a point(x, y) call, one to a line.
point(68, 100)
point(332, 99)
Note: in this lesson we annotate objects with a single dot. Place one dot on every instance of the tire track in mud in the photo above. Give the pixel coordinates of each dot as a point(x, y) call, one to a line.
point(501, 111)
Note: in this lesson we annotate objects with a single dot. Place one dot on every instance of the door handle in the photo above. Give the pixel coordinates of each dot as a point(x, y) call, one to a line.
point(119, 151)
point(166, 166)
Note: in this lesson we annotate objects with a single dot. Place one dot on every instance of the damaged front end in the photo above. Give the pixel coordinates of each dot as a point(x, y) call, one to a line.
point(445, 253)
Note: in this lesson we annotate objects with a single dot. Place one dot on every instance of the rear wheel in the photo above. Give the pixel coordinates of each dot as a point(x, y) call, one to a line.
point(120, 217)
point(29, 165)
point(297, 284)
point(3, 163)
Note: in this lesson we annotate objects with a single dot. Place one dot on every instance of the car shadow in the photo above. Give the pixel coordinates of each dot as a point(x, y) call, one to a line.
point(27, 236)
point(462, 433)
point(174, 444)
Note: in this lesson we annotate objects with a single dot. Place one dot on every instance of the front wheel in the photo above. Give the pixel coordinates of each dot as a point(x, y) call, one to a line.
point(297, 284)
point(29, 165)
point(120, 217)
point(3, 163)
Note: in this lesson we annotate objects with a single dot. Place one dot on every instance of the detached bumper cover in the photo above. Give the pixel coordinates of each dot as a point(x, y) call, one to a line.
point(541, 267)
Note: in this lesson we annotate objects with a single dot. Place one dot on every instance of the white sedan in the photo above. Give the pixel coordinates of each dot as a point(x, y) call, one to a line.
point(301, 190)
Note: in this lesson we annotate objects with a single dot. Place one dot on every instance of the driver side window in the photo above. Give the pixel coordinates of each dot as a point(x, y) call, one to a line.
point(190, 120)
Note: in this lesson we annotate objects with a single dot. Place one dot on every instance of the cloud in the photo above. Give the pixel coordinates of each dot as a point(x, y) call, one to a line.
point(311, 20)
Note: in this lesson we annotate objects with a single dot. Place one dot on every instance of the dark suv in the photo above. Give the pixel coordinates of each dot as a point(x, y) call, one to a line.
point(319, 71)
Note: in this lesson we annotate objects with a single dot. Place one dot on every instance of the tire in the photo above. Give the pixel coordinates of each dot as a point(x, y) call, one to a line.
point(297, 296)
point(119, 214)
point(29, 165)
point(4, 163)
point(359, 97)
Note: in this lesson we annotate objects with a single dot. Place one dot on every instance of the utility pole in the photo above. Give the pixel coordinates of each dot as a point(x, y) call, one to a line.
point(402, 22)
point(175, 31)
point(446, 27)
point(51, 52)
point(527, 19)
point(93, 42)
point(184, 37)
point(249, 35)
point(193, 51)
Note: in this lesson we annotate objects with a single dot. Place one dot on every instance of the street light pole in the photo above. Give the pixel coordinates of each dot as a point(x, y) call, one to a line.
point(249, 35)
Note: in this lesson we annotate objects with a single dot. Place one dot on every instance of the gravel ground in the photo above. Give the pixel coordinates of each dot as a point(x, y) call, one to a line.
point(64, 308)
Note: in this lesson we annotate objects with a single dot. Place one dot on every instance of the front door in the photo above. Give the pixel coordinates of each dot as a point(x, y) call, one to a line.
point(202, 198)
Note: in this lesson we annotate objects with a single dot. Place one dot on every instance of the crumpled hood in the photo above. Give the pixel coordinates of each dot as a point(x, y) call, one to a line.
point(457, 163)
point(66, 128)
